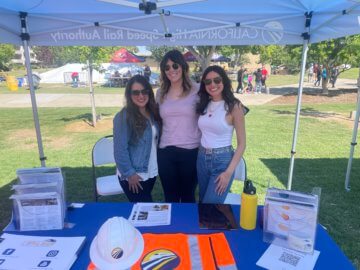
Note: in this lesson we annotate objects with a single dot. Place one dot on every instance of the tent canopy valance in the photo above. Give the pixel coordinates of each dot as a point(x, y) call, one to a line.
point(207, 22)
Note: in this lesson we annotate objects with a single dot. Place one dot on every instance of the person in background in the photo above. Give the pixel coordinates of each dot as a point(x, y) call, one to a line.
point(245, 80)
point(180, 139)
point(264, 76)
point(258, 81)
point(318, 76)
point(220, 113)
point(250, 87)
point(75, 79)
point(334, 75)
point(323, 75)
point(136, 133)
point(147, 72)
point(240, 78)
point(311, 73)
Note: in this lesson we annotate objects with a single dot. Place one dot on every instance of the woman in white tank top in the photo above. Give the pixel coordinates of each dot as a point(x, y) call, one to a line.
point(220, 113)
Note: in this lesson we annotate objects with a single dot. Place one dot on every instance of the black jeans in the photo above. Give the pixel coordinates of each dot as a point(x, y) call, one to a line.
point(177, 171)
point(239, 87)
point(144, 194)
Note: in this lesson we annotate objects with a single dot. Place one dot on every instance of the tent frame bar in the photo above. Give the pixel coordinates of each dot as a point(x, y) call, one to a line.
point(353, 140)
point(306, 36)
point(25, 38)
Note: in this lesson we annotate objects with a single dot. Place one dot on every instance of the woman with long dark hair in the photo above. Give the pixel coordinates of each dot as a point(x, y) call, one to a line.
point(180, 138)
point(136, 133)
point(220, 113)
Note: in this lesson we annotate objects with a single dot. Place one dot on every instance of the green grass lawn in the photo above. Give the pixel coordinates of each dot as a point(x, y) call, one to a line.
point(321, 160)
point(352, 73)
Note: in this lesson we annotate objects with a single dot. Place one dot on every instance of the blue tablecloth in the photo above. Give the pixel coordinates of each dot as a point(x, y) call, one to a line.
point(247, 246)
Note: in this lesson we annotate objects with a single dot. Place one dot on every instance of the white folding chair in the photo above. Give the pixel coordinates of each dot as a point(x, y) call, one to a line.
point(240, 175)
point(103, 154)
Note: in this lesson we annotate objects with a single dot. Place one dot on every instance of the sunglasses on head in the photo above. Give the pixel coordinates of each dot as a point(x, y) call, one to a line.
point(216, 80)
point(175, 66)
point(144, 92)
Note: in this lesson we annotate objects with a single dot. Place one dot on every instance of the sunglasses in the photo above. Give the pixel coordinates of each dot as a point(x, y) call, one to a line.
point(216, 80)
point(175, 66)
point(144, 92)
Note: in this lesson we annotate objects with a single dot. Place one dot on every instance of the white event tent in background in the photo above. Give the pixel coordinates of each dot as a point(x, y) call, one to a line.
point(179, 22)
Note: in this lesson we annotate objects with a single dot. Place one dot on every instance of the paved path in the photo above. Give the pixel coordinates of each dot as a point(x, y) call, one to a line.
point(117, 100)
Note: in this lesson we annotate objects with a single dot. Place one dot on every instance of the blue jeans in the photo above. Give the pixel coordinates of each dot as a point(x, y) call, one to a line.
point(210, 164)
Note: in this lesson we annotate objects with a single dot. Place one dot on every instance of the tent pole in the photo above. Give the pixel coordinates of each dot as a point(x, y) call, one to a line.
point(25, 38)
point(297, 115)
point(92, 97)
point(353, 140)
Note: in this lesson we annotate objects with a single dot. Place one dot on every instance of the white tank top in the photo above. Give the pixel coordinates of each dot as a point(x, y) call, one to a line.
point(215, 130)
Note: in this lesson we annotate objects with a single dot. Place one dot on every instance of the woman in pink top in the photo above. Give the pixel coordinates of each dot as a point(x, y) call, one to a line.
point(180, 138)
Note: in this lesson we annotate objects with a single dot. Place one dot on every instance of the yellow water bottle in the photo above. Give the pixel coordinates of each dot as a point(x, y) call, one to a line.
point(248, 210)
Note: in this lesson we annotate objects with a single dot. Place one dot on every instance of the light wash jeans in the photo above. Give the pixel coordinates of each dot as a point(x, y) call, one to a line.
point(210, 164)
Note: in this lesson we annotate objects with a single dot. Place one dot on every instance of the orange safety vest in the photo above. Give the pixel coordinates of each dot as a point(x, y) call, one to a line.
point(185, 252)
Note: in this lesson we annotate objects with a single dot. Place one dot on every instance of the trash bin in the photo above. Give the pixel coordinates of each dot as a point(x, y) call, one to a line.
point(20, 82)
point(12, 83)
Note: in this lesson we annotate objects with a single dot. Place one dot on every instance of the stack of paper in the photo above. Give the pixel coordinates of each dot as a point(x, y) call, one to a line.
point(38, 252)
point(39, 199)
point(150, 214)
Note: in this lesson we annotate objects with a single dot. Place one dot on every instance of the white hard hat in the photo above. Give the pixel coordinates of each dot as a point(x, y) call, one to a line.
point(117, 245)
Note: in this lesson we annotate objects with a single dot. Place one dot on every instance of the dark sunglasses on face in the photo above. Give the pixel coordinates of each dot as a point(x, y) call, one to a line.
point(175, 66)
point(216, 80)
point(144, 92)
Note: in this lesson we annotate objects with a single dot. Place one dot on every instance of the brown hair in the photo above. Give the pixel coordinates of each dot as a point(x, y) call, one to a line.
point(178, 58)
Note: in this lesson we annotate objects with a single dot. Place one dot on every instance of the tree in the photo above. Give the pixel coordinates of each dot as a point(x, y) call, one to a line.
point(6, 54)
point(158, 52)
point(277, 55)
point(334, 53)
point(202, 54)
point(45, 55)
point(238, 53)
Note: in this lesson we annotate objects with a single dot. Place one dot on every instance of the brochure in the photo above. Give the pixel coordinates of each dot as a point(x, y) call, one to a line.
point(276, 257)
point(290, 219)
point(38, 252)
point(216, 216)
point(39, 199)
point(38, 211)
point(150, 214)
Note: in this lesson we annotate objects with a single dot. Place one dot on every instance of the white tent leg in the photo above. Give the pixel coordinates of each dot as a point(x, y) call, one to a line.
point(32, 93)
point(297, 115)
point(92, 96)
point(353, 140)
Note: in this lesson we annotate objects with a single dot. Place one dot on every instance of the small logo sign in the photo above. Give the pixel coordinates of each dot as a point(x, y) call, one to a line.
point(52, 253)
point(8, 251)
point(117, 253)
point(163, 259)
point(274, 32)
point(2, 261)
point(44, 263)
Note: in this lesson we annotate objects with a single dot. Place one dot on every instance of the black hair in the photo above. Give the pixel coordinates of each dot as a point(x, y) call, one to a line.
point(227, 94)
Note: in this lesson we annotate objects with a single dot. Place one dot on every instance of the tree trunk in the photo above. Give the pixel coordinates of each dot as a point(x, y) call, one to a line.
point(324, 84)
point(203, 56)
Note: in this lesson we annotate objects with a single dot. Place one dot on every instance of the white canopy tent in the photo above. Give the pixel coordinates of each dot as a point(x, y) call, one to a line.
point(178, 22)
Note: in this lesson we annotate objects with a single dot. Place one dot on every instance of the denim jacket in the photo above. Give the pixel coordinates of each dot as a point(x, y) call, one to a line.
point(131, 157)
